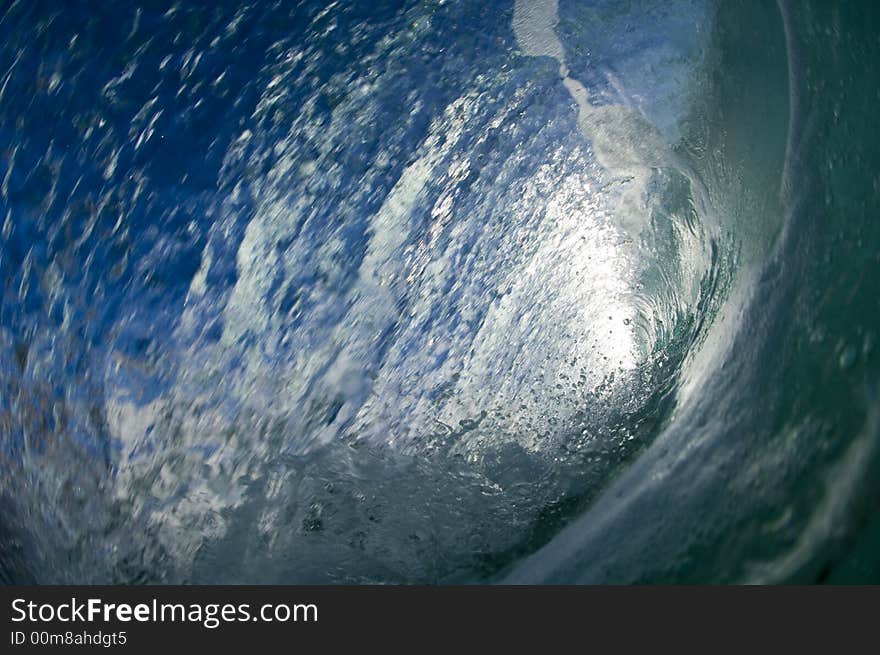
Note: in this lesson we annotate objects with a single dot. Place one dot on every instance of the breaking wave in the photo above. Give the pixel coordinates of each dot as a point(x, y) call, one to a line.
point(527, 291)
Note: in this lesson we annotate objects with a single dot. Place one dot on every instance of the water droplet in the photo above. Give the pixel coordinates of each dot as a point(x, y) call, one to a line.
point(847, 357)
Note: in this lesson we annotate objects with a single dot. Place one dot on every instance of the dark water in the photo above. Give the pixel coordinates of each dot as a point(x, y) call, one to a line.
point(439, 292)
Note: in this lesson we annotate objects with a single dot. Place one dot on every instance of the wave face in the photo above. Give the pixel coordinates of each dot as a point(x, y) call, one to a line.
point(522, 291)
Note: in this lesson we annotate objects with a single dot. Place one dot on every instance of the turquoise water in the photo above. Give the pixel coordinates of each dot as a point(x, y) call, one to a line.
point(440, 292)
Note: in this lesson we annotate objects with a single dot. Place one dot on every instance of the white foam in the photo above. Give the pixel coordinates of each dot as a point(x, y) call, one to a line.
point(625, 143)
point(534, 24)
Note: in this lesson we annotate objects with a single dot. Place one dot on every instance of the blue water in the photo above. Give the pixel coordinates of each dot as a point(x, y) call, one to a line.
point(509, 291)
